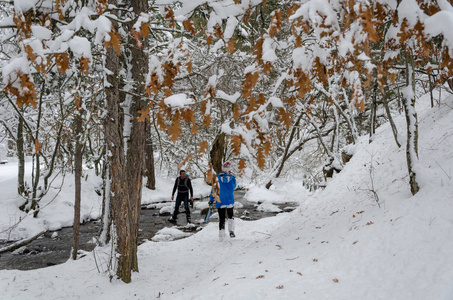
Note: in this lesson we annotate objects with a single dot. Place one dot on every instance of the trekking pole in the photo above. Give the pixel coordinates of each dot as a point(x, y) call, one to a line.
point(208, 214)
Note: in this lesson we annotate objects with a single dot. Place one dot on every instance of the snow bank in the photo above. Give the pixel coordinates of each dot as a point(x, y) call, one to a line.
point(339, 244)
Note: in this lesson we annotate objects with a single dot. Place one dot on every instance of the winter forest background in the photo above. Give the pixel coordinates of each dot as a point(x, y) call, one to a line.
point(117, 95)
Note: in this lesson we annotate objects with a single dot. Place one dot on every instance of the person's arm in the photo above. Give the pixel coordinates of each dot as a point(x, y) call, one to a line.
point(211, 197)
point(174, 188)
point(189, 183)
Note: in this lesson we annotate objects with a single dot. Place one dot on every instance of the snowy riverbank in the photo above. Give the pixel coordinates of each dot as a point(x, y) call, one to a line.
point(339, 244)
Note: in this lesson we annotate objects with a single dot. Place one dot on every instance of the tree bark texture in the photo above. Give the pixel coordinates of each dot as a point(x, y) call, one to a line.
point(373, 114)
point(412, 126)
point(21, 157)
point(218, 152)
point(392, 124)
point(106, 222)
point(137, 140)
point(34, 201)
point(78, 185)
point(113, 126)
point(150, 173)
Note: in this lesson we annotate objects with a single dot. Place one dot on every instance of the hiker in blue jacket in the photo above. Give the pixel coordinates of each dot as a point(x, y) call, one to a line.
point(227, 184)
point(184, 186)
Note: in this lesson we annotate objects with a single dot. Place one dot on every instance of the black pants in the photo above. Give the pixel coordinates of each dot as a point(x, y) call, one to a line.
point(182, 197)
point(222, 215)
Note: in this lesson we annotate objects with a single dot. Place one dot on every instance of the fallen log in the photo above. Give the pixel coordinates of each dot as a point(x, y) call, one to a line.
point(21, 243)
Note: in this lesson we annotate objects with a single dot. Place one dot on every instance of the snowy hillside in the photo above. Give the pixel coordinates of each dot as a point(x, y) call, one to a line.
point(339, 244)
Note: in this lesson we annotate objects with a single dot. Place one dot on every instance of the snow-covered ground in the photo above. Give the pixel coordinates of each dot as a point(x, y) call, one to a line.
point(339, 244)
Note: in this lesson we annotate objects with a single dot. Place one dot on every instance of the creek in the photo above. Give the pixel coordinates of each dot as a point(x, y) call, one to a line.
point(54, 247)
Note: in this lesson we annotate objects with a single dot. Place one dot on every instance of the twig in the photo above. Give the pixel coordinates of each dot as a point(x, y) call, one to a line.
point(292, 258)
point(449, 177)
point(262, 233)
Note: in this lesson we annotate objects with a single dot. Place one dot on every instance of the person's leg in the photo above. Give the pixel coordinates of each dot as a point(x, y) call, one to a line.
point(231, 221)
point(186, 207)
point(221, 218)
point(222, 212)
point(177, 204)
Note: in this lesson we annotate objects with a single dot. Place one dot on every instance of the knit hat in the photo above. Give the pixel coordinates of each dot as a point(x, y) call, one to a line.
point(226, 167)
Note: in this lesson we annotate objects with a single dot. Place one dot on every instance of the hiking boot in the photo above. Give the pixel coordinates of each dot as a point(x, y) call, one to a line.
point(188, 220)
point(172, 220)
point(232, 235)
point(222, 235)
point(231, 226)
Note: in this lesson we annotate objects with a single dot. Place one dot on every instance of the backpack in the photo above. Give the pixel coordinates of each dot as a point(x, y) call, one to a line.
point(185, 181)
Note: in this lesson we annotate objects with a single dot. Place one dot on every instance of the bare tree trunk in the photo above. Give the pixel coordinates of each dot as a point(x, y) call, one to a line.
point(104, 236)
point(137, 140)
point(150, 173)
point(78, 185)
point(392, 124)
point(21, 157)
point(218, 152)
point(288, 146)
point(373, 114)
point(37, 173)
point(412, 125)
point(431, 90)
point(113, 126)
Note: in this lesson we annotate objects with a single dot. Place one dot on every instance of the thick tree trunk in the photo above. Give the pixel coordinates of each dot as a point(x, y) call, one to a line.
point(78, 185)
point(218, 152)
point(113, 127)
point(135, 167)
point(137, 140)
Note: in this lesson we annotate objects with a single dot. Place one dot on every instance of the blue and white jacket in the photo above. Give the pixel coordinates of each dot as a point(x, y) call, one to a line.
point(227, 184)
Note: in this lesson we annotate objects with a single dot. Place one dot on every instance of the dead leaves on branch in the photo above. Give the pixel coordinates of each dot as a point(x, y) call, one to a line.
point(24, 89)
point(101, 5)
point(276, 23)
point(249, 82)
point(189, 26)
point(202, 147)
point(236, 142)
point(114, 42)
point(285, 117)
point(23, 24)
point(62, 62)
point(139, 35)
point(169, 17)
point(175, 131)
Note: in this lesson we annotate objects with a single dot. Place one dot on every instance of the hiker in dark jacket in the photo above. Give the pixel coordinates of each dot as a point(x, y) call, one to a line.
point(184, 186)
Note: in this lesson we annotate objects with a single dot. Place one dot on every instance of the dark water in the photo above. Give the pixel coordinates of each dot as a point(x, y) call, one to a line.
point(47, 251)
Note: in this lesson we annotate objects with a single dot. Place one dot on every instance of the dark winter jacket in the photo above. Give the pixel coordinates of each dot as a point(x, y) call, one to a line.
point(183, 186)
